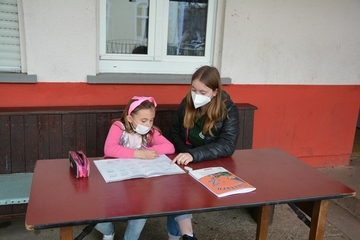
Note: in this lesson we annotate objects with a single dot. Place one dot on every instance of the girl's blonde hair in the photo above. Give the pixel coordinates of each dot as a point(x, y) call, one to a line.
point(216, 109)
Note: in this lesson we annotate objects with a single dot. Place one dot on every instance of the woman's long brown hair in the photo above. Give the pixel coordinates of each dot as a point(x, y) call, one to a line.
point(216, 109)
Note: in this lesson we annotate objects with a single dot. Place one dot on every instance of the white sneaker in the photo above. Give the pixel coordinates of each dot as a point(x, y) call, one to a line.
point(109, 237)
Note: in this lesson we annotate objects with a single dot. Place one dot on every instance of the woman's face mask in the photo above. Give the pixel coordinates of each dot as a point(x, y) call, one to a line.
point(199, 100)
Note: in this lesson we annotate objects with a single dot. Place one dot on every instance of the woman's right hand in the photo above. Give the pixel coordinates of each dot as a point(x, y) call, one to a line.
point(145, 154)
point(182, 159)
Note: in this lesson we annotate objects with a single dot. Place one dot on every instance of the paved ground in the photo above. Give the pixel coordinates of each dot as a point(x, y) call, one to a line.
point(232, 225)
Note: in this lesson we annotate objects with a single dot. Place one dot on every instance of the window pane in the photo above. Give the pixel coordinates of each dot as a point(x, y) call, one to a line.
point(187, 27)
point(127, 26)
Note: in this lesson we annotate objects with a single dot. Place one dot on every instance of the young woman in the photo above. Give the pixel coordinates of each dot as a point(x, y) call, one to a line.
point(205, 127)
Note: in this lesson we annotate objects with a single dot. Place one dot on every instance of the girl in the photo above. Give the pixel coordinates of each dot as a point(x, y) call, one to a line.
point(134, 136)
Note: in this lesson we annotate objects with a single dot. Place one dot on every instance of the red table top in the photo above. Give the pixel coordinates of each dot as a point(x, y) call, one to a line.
point(58, 199)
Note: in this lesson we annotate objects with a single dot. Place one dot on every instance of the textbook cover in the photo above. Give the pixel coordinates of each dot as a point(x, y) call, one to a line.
point(221, 182)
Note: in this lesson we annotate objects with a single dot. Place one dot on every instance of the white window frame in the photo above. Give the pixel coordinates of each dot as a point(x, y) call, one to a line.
point(156, 61)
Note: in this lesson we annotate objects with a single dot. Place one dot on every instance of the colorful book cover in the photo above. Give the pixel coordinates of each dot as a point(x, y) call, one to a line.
point(221, 182)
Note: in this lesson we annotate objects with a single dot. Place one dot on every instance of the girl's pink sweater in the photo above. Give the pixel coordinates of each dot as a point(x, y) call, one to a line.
point(113, 148)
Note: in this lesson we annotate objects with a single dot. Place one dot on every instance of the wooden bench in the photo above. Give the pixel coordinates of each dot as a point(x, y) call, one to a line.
point(32, 133)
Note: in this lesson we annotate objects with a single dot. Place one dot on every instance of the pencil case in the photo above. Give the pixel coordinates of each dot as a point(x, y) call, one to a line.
point(79, 164)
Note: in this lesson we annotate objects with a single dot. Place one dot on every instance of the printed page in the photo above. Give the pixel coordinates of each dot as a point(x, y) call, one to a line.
point(120, 169)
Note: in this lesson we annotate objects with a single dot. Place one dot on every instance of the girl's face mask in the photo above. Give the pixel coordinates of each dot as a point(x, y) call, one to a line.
point(199, 100)
point(141, 129)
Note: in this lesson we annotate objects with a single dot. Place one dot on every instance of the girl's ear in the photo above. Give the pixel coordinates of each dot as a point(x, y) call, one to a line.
point(129, 118)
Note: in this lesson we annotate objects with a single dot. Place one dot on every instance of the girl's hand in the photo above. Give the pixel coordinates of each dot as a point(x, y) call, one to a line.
point(145, 154)
point(182, 159)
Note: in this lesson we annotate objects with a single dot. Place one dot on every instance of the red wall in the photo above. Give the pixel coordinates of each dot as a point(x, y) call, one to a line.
point(315, 123)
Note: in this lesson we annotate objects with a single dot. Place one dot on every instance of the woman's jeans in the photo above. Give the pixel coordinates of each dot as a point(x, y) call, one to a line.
point(133, 229)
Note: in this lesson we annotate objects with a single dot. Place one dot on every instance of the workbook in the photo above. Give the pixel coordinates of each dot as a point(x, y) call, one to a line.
point(119, 169)
point(221, 182)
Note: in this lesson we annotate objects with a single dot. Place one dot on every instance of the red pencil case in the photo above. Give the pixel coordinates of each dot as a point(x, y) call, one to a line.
point(79, 164)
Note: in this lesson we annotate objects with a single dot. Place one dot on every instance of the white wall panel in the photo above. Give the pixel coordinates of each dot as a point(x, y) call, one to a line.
point(61, 39)
point(292, 42)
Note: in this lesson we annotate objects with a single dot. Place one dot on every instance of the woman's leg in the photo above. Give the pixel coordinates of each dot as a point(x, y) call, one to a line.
point(186, 226)
point(134, 228)
point(173, 228)
point(106, 228)
point(179, 225)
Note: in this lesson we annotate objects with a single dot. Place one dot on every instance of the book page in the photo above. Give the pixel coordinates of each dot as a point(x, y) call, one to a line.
point(120, 169)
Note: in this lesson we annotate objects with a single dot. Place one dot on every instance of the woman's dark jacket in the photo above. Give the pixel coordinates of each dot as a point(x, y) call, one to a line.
point(222, 144)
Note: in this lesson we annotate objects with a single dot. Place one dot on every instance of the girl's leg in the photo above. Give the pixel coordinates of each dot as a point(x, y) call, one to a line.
point(134, 228)
point(106, 228)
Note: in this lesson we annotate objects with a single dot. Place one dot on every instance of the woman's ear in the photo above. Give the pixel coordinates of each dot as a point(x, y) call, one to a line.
point(215, 92)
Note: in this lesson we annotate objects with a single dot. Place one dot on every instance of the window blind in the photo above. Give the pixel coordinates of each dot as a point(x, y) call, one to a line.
point(10, 57)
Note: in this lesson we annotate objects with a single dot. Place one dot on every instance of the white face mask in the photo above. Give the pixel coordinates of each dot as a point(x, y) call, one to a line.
point(141, 129)
point(199, 100)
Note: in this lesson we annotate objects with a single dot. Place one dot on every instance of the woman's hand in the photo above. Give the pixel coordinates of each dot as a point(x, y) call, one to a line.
point(145, 154)
point(182, 159)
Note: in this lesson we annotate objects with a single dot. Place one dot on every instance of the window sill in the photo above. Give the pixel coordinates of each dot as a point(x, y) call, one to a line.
point(133, 78)
point(17, 78)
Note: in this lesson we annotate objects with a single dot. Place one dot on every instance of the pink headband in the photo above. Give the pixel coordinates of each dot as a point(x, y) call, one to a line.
point(135, 104)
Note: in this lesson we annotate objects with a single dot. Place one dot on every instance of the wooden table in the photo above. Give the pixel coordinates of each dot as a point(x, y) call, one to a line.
point(58, 199)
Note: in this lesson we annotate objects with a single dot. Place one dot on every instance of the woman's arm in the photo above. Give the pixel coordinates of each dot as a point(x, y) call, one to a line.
point(112, 146)
point(224, 144)
point(177, 130)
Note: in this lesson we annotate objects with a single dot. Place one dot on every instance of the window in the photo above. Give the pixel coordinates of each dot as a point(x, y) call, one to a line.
point(12, 47)
point(10, 60)
point(156, 36)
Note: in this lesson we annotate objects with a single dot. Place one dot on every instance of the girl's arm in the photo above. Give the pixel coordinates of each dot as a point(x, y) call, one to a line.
point(161, 145)
point(112, 146)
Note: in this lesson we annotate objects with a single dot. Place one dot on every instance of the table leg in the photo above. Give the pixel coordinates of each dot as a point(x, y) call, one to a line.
point(66, 233)
point(263, 222)
point(318, 219)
